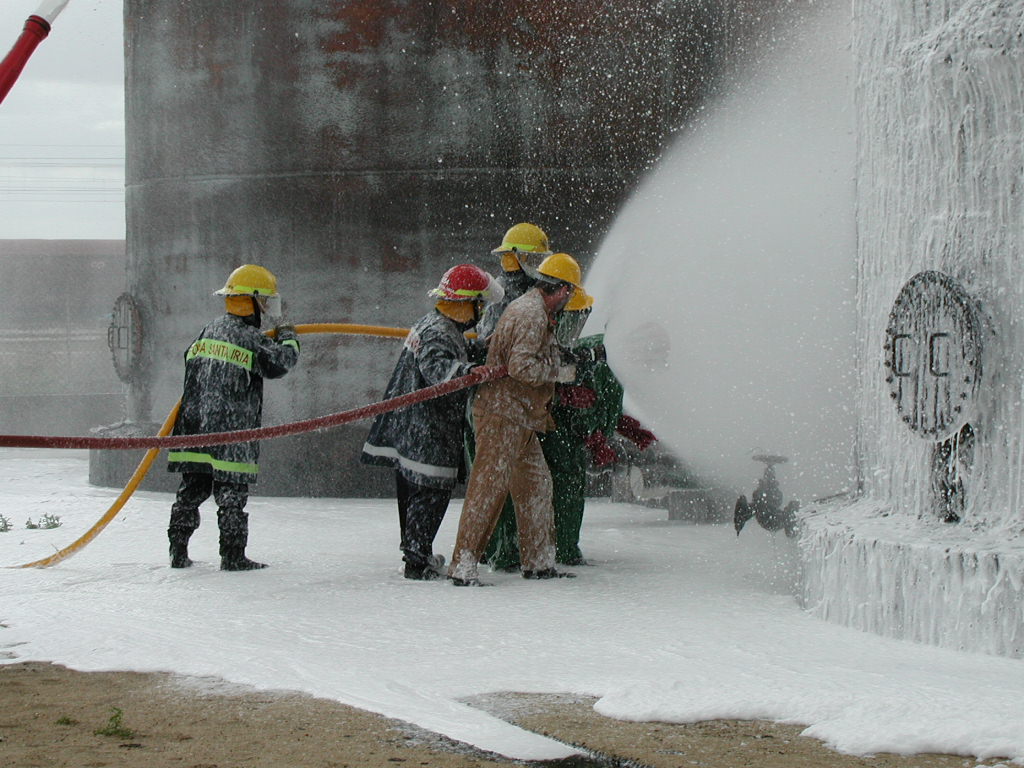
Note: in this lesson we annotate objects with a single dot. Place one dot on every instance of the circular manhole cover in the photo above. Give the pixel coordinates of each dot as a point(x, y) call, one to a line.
point(933, 355)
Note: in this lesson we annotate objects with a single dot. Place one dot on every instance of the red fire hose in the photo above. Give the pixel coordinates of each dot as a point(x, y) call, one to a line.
point(477, 376)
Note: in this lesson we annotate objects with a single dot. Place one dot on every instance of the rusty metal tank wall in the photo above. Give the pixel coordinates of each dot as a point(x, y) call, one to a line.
point(359, 149)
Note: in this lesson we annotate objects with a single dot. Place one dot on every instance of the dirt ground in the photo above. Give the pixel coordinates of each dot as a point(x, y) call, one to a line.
point(53, 717)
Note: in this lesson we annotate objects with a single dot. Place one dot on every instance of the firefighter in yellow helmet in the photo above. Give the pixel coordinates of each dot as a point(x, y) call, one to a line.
point(503, 550)
point(522, 249)
point(223, 392)
point(507, 415)
point(586, 411)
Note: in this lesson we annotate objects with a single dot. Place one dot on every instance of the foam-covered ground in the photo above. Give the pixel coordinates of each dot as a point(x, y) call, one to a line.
point(672, 622)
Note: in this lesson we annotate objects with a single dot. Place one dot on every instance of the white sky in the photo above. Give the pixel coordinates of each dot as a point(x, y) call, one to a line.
point(672, 622)
point(62, 126)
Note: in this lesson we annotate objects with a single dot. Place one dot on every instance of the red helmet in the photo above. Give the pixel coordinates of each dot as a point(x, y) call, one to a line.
point(466, 282)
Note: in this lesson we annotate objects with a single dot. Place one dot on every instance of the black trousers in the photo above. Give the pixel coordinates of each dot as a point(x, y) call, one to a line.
point(197, 487)
point(420, 512)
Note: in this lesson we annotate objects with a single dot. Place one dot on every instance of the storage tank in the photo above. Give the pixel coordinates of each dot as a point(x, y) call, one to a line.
point(931, 551)
point(358, 150)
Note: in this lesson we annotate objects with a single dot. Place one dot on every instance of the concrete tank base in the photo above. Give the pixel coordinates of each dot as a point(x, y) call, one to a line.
point(913, 578)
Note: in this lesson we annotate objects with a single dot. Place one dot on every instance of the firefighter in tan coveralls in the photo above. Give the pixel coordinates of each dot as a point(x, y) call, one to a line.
point(507, 415)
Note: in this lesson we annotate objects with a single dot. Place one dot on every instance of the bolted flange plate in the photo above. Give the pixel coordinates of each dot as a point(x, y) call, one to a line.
point(933, 346)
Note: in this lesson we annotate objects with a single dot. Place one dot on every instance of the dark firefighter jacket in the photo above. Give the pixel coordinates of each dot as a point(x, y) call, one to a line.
point(224, 371)
point(424, 440)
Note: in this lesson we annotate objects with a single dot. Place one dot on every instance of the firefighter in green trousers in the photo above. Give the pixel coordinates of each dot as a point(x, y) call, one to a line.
point(591, 404)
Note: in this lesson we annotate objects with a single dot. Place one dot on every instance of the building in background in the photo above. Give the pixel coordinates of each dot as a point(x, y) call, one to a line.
point(59, 377)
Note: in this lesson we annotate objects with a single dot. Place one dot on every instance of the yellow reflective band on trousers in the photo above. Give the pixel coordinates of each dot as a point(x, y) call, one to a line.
point(291, 343)
point(221, 350)
point(205, 458)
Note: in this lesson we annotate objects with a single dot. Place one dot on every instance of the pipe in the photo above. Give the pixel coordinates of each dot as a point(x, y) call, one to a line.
point(478, 376)
point(37, 28)
point(353, 328)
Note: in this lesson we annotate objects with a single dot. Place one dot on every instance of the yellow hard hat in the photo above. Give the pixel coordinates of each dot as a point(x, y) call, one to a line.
point(580, 300)
point(561, 267)
point(525, 237)
point(249, 280)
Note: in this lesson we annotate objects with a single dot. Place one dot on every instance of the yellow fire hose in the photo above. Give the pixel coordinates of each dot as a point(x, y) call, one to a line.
point(147, 461)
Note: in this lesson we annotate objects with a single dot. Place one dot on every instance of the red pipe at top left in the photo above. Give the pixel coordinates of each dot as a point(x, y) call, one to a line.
point(37, 27)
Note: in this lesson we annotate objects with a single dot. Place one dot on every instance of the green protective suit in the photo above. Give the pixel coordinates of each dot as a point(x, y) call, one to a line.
point(567, 458)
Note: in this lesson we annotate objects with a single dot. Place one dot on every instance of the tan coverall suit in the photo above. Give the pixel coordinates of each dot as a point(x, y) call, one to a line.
point(507, 415)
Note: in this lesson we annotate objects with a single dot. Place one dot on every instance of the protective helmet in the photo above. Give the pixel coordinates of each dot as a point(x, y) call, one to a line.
point(249, 280)
point(580, 301)
point(524, 237)
point(466, 282)
point(560, 267)
point(523, 247)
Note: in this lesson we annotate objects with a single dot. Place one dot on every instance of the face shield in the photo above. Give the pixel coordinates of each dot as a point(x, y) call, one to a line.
point(569, 325)
point(530, 260)
point(270, 307)
point(494, 293)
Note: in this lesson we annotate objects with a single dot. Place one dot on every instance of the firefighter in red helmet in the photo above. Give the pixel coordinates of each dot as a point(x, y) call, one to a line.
point(423, 442)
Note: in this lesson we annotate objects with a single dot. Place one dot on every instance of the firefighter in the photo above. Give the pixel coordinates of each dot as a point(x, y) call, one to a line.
point(585, 412)
point(521, 250)
point(423, 442)
point(507, 415)
point(223, 391)
point(577, 413)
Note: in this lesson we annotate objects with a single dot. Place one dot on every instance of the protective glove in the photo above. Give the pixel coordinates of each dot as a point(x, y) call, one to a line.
point(601, 454)
point(584, 355)
point(286, 334)
point(631, 429)
point(566, 374)
point(569, 356)
point(576, 396)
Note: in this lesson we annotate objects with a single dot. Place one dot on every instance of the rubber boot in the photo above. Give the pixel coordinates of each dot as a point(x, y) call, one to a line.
point(232, 557)
point(429, 570)
point(179, 547)
point(548, 573)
